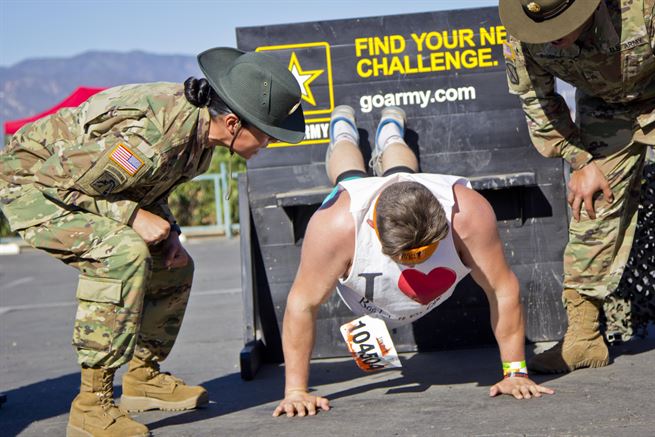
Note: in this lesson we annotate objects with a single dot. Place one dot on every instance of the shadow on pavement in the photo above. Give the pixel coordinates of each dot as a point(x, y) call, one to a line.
point(38, 401)
point(421, 371)
point(633, 347)
point(229, 393)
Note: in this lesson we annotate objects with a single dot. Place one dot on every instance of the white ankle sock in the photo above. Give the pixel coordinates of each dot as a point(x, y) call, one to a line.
point(389, 134)
point(344, 131)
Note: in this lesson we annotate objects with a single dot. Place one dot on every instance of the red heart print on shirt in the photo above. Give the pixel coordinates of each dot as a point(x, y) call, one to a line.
point(425, 288)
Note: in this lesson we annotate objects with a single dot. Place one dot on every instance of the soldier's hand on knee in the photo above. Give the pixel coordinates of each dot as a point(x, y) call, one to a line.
point(175, 255)
point(150, 227)
point(583, 186)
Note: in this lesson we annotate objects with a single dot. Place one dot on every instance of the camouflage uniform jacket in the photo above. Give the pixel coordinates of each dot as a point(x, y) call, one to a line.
point(613, 61)
point(123, 149)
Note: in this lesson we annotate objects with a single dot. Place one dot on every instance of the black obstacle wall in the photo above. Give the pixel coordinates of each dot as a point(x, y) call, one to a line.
point(446, 70)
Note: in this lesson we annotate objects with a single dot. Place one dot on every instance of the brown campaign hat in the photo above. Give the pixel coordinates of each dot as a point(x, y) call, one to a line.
point(542, 21)
point(258, 88)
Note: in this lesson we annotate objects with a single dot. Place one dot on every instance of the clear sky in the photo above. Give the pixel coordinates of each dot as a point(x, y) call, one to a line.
point(63, 28)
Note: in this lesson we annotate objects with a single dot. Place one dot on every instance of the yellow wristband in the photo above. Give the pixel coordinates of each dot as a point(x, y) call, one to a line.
point(514, 367)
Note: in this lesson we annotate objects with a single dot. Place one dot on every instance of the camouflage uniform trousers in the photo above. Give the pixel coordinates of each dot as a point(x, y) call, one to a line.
point(128, 302)
point(598, 249)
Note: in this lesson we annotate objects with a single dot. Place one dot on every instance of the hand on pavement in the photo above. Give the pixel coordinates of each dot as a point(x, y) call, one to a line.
point(520, 388)
point(301, 403)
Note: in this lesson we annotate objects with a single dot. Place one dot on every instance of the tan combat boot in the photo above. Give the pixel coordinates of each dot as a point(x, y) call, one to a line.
point(146, 388)
point(93, 413)
point(582, 345)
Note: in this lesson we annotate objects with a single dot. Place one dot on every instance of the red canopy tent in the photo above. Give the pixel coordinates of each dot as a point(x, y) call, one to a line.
point(76, 98)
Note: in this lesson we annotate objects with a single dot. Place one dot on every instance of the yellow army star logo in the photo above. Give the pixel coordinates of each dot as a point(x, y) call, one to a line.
point(311, 65)
point(534, 7)
point(304, 78)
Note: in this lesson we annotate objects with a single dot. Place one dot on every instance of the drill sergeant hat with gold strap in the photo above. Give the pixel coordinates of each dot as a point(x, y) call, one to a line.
point(542, 21)
point(258, 88)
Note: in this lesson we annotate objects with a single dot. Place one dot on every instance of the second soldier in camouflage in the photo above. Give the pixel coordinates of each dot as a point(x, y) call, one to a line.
point(605, 49)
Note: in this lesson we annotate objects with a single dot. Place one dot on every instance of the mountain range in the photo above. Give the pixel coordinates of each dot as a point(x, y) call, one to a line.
point(35, 85)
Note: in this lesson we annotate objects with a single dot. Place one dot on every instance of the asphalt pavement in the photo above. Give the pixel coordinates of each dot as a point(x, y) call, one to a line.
point(438, 393)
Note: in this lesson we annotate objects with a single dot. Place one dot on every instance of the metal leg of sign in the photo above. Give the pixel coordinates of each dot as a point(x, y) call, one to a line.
point(251, 355)
point(250, 359)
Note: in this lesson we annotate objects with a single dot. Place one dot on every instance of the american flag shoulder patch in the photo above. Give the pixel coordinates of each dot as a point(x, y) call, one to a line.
point(126, 159)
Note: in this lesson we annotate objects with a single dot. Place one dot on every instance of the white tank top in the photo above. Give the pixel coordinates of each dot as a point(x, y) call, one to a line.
point(380, 287)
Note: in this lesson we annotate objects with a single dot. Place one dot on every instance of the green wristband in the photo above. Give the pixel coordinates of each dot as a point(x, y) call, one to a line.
point(514, 367)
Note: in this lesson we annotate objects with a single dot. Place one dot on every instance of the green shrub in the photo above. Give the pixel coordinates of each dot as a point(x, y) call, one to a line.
point(193, 204)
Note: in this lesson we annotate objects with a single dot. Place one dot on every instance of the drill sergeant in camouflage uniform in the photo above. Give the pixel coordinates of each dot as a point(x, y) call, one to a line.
point(89, 185)
point(605, 49)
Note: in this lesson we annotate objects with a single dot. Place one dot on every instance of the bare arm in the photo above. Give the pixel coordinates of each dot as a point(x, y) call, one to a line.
point(478, 243)
point(326, 253)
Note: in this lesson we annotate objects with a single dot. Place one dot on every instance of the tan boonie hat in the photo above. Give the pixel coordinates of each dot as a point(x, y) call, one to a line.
point(542, 21)
point(258, 88)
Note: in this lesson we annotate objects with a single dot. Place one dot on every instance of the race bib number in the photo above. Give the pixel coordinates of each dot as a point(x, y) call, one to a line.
point(370, 344)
